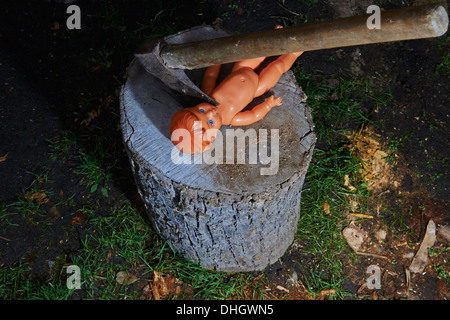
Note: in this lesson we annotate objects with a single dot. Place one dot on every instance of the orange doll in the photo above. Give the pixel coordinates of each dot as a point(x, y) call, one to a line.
point(233, 94)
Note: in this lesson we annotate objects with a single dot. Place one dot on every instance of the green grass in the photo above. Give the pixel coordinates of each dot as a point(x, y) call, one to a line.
point(321, 232)
point(96, 166)
point(443, 66)
point(125, 238)
point(329, 113)
point(61, 145)
point(103, 58)
point(127, 234)
point(112, 17)
point(158, 26)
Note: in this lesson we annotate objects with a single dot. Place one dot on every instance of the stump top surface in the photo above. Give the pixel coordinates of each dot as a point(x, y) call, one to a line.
point(147, 106)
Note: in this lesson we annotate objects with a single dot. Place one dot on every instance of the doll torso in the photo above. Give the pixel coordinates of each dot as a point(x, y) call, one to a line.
point(235, 92)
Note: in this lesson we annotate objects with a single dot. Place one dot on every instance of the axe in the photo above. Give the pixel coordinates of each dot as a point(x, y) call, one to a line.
point(167, 60)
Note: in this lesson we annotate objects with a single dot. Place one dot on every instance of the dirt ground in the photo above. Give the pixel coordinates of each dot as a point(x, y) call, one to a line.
point(56, 80)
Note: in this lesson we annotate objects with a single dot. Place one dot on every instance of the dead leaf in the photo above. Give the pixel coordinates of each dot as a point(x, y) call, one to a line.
point(354, 205)
point(354, 236)
point(381, 235)
point(3, 158)
point(122, 277)
point(91, 116)
point(39, 196)
point(78, 218)
point(282, 289)
point(326, 208)
point(96, 112)
point(326, 293)
point(347, 183)
point(55, 27)
point(165, 286)
point(108, 256)
point(346, 180)
point(96, 68)
point(421, 258)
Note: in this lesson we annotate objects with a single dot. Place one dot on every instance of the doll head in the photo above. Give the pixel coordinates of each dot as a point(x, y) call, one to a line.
point(193, 130)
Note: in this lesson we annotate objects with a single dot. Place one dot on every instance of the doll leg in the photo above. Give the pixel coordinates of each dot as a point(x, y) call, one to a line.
point(251, 63)
point(270, 75)
point(210, 78)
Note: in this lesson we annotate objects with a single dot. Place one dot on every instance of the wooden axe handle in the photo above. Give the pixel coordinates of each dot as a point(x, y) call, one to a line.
point(396, 25)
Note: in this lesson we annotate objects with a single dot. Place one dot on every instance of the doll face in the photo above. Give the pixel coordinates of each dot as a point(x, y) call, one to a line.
point(211, 119)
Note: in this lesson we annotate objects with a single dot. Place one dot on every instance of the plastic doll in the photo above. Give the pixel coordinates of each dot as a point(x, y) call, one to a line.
point(233, 94)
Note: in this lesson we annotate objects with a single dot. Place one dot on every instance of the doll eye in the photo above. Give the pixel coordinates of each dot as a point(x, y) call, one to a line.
point(211, 122)
point(201, 110)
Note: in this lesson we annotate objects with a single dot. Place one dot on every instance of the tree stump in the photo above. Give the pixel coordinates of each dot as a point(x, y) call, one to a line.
point(226, 209)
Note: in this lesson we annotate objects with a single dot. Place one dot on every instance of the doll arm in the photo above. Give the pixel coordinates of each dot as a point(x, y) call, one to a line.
point(257, 113)
point(210, 78)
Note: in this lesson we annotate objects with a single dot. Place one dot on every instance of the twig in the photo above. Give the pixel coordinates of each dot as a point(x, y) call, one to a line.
point(280, 17)
point(372, 255)
point(290, 11)
point(361, 215)
point(408, 279)
point(6, 239)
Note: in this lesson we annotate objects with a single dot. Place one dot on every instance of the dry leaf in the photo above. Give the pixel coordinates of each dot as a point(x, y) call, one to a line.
point(122, 277)
point(326, 208)
point(282, 289)
point(38, 196)
point(354, 236)
point(108, 256)
point(78, 218)
point(3, 158)
point(95, 113)
point(55, 27)
point(346, 180)
point(164, 286)
point(326, 293)
point(347, 183)
point(91, 116)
